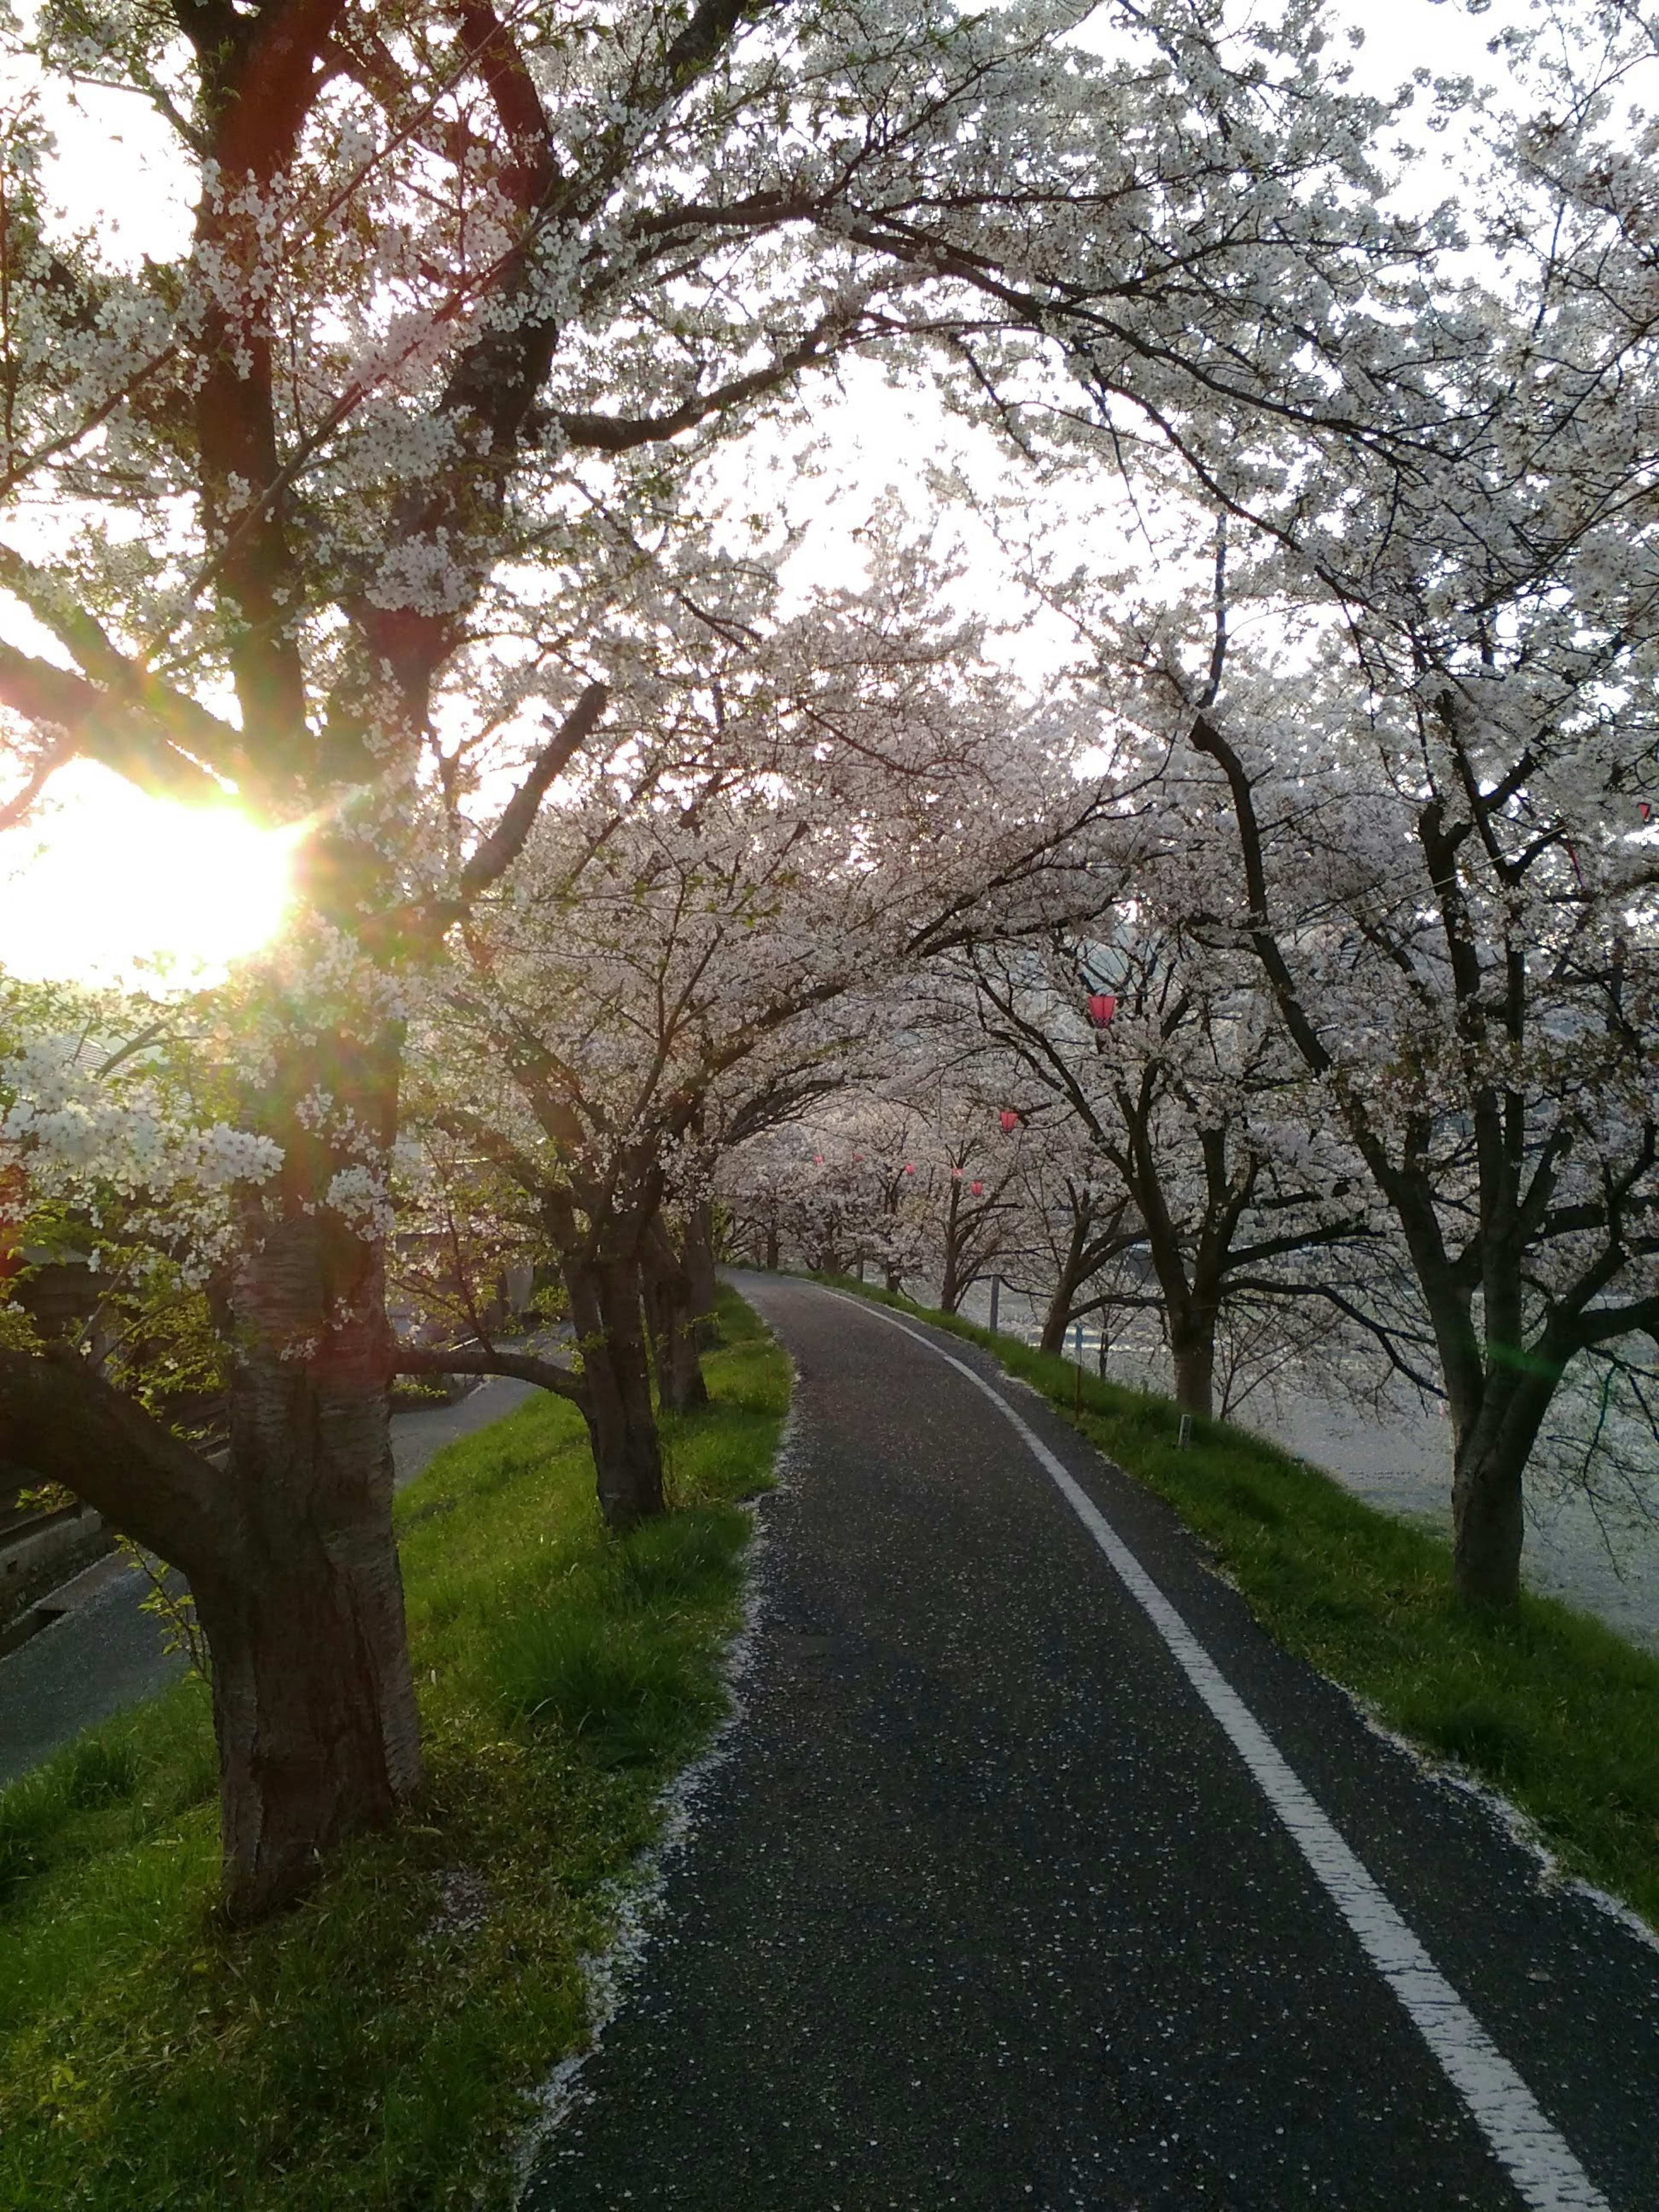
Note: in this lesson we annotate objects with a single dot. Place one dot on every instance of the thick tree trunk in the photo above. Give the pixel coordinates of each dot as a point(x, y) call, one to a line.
point(313, 1702)
point(671, 1318)
point(772, 1250)
point(1489, 1466)
point(1192, 1349)
point(289, 1551)
point(1487, 1527)
point(606, 1306)
point(704, 1285)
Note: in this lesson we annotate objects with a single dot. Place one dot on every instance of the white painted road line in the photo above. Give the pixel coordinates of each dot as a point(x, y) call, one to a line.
point(1543, 2168)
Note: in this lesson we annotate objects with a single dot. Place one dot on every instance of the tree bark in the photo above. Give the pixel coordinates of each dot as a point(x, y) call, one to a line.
point(1056, 1319)
point(313, 1699)
point(952, 1285)
point(289, 1552)
point(698, 1252)
point(1490, 1451)
point(1192, 1349)
point(478, 1359)
point(1487, 1526)
point(606, 1306)
point(671, 1317)
point(772, 1246)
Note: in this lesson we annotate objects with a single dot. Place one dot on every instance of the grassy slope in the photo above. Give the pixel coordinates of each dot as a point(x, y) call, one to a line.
point(1554, 1709)
point(359, 2051)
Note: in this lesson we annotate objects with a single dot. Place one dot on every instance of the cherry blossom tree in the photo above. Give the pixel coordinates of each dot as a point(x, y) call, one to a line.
point(325, 508)
point(652, 978)
point(1081, 1237)
point(1191, 1107)
point(350, 505)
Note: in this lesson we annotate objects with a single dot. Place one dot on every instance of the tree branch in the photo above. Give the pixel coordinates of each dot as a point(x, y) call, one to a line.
point(498, 851)
point(67, 1425)
point(523, 1366)
point(97, 727)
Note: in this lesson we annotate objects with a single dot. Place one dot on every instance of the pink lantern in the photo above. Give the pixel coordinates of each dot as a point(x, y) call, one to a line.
point(857, 1157)
point(1645, 808)
point(1102, 1004)
point(818, 1159)
point(1009, 1119)
point(977, 1189)
point(908, 1170)
point(956, 1174)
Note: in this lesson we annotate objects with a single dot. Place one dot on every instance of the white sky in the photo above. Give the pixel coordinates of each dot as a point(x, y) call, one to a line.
point(103, 878)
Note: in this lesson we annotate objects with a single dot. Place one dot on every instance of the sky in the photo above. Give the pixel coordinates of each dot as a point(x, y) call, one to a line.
point(104, 883)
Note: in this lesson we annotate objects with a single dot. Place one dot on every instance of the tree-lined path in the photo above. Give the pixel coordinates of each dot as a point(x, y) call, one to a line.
point(987, 1908)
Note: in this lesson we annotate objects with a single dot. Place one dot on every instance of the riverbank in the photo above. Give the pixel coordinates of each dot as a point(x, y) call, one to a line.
point(381, 2043)
point(1601, 1557)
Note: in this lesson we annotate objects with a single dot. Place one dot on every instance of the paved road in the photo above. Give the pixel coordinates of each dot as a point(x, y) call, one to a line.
point(105, 1653)
point(989, 1907)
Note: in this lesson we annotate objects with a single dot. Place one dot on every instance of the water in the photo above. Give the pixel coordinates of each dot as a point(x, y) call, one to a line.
point(1604, 1562)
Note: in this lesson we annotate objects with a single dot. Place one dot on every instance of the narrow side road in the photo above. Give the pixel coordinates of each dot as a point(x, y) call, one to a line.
point(104, 1652)
point(990, 1904)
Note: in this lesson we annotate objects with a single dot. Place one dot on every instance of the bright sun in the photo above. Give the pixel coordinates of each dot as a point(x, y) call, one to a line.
point(113, 887)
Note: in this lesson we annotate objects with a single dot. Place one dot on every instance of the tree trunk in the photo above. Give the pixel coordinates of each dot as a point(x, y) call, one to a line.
point(1072, 1273)
point(698, 1253)
point(313, 1702)
point(1192, 1348)
point(951, 1284)
point(1489, 1465)
point(772, 1246)
point(289, 1552)
point(1058, 1317)
point(606, 1306)
point(1487, 1529)
point(671, 1318)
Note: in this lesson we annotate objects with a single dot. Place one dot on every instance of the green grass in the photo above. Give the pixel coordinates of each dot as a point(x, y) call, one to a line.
point(1553, 1708)
point(362, 2050)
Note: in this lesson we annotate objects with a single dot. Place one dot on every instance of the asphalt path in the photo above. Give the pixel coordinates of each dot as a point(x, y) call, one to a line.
point(1024, 1884)
point(104, 1652)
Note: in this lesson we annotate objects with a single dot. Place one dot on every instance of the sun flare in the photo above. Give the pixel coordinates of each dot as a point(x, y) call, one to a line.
point(113, 887)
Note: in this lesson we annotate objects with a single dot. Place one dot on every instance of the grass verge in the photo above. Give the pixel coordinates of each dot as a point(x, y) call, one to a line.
point(1553, 1708)
point(376, 2047)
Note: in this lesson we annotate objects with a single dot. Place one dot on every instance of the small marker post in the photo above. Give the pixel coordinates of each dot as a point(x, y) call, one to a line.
point(996, 1293)
point(1186, 1436)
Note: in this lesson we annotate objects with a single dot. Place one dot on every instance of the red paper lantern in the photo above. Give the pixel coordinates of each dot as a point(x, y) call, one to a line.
point(1009, 1119)
point(1645, 808)
point(956, 1174)
point(1102, 1004)
point(908, 1170)
point(976, 1188)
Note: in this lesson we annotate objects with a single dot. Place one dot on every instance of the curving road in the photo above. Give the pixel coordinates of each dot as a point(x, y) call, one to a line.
point(1038, 1876)
point(104, 1653)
